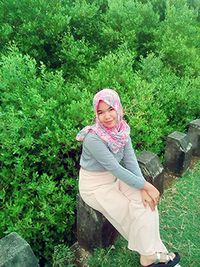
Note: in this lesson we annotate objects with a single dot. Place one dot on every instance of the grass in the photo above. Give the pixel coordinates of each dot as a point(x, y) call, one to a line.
point(179, 226)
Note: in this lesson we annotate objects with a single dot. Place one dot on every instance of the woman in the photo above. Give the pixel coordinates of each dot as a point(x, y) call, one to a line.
point(118, 191)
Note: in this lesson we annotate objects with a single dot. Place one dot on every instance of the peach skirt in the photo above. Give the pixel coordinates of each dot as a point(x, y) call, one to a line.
point(123, 207)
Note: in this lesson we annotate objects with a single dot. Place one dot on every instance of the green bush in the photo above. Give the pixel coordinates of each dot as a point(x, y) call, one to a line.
point(74, 35)
point(34, 26)
point(160, 103)
point(59, 34)
point(63, 257)
point(131, 22)
point(75, 56)
point(177, 97)
point(39, 155)
point(113, 70)
point(176, 38)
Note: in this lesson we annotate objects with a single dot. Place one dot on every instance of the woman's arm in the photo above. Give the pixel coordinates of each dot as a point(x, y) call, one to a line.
point(100, 152)
point(131, 163)
point(130, 160)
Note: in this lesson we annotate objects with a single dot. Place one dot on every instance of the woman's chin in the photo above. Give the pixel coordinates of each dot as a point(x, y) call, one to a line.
point(109, 125)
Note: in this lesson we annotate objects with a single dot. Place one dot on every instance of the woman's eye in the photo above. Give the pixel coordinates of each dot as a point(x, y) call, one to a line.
point(111, 108)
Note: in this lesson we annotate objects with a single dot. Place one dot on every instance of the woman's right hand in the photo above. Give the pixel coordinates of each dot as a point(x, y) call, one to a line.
point(152, 192)
point(147, 200)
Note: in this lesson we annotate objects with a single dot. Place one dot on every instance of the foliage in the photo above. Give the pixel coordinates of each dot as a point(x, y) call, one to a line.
point(177, 38)
point(63, 256)
point(34, 26)
point(125, 25)
point(160, 103)
point(155, 100)
point(38, 159)
point(54, 33)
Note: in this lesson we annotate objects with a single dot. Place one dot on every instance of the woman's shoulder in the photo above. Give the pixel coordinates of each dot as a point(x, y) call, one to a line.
point(91, 137)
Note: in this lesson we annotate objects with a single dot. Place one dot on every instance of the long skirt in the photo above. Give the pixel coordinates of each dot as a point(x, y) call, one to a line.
point(122, 206)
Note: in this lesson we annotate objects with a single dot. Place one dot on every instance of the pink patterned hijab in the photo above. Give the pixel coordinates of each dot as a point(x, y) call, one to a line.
point(115, 137)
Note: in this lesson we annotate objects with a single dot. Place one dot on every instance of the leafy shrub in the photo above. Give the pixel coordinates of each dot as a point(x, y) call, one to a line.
point(160, 103)
point(35, 27)
point(178, 97)
point(176, 38)
point(86, 21)
point(63, 33)
point(63, 256)
point(131, 22)
point(39, 155)
point(145, 116)
point(113, 70)
point(75, 56)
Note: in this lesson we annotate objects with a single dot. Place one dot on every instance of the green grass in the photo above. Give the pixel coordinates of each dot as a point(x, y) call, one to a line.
point(179, 226)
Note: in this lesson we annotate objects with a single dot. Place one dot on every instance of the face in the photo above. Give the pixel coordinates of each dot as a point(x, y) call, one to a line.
point(107, 115)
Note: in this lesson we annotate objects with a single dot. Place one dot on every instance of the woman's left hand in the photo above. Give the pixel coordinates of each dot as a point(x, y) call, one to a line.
point(152, 191)
point(147, 200)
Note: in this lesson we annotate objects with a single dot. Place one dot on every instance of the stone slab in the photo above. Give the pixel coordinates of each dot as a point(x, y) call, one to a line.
point(152, 169)
point(178, 153)
point(194, 136)
point(93, 229)
point(16, 252)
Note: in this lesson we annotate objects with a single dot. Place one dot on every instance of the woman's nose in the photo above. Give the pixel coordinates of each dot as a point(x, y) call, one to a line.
point(107, 115)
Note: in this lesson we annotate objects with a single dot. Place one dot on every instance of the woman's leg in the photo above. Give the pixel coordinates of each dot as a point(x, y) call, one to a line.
point(91, 200)
point(144, 235)
point(123, 207)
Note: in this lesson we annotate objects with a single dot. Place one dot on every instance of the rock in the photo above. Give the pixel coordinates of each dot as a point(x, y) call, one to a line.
point(16, 252)
point(194, 136)
point(178, 153)
point(152, 169)
point(93, 229)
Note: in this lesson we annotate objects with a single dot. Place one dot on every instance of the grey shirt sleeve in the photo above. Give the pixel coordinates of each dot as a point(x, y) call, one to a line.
point(98, 150)
point(130, 160)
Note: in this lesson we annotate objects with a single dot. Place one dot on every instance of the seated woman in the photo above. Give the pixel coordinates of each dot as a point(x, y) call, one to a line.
point(120, 192)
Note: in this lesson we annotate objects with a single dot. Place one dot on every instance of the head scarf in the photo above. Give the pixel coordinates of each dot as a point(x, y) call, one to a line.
point(115, 137)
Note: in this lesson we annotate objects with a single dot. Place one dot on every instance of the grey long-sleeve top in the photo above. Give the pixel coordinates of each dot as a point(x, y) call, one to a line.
point(96, 156)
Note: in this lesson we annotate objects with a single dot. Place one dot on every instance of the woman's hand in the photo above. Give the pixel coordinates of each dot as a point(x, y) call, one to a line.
point(152, 192)
point(147, 200)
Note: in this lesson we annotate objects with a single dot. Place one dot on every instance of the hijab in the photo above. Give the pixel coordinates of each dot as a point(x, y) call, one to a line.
point(115, 137)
